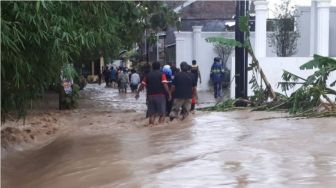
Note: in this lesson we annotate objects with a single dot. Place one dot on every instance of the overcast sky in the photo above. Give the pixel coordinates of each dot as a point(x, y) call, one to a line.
point(302, 2)
point(272, 3)
point(298, 2)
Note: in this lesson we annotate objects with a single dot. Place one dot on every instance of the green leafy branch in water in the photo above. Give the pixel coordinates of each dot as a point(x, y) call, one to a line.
point(314, 96)
point(223, 106)
point(305, 101)
point(308, 97)
point(226, 105)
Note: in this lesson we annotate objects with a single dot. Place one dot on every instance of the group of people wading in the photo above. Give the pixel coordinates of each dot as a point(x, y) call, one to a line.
point(120, 77)
point(170, 92)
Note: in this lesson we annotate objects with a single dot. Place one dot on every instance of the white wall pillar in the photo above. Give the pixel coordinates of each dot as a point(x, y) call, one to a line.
point(179, 48)
point(323, 27)
point(197, 37)
point(261, 11)
point(313, 27)
point(196, 41)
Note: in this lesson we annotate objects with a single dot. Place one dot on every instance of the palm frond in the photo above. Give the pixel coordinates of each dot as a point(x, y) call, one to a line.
point(288, 76)
point(333, 84)
point(330, 91)
point(319, 62)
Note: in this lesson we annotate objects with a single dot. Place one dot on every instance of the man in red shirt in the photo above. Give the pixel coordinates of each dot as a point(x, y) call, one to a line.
point(156, 85)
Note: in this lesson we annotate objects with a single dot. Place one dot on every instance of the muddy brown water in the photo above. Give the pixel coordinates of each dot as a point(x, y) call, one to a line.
point(232, 149)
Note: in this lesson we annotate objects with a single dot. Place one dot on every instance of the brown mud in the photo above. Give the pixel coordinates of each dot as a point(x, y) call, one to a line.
point(106, 144)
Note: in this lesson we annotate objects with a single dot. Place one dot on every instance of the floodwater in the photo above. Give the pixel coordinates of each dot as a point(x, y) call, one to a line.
point(233, 149)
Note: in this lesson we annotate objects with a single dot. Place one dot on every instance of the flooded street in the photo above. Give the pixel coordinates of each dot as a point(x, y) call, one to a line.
point(109, 146)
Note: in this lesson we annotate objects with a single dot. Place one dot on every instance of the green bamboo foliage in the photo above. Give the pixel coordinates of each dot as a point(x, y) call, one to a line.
point(38, 38)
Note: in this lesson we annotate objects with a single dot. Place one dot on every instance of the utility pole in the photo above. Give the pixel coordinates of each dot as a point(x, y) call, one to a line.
point(146, 46)
point(157, 46)
point(241, 55)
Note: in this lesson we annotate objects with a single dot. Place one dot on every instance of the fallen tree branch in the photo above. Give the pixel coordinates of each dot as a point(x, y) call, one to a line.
point(332, 104)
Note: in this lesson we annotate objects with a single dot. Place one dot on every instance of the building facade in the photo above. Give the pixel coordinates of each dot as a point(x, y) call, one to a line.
point(318, 36)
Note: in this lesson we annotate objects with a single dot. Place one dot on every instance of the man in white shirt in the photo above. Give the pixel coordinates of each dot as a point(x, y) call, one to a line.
point(135, 80)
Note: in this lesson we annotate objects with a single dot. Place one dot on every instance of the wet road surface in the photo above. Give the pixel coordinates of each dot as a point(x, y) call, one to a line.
point(233, 149)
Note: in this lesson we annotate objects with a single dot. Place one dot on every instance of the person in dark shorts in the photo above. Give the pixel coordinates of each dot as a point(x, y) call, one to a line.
point(134, 80)
point(106, 73)
point(216, 75)
point(169, 103)
point(195, 71)
point(156, 85)
point(113, 77)
point(183, 89)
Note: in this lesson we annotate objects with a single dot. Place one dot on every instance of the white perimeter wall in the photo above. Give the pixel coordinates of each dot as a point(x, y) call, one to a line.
point(273, 68)
point(206, 54)
point(184, 52)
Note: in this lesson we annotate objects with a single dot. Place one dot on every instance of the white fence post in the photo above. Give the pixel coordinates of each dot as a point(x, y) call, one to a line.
point(179, 48)
point(323, 27)
point(261, 10)
point(197, 31)
point(313, 28)
point(196, 41)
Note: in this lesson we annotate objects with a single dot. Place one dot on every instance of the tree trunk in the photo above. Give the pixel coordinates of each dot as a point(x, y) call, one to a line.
point(329, 100)
point(61, 99)
point(263, 76)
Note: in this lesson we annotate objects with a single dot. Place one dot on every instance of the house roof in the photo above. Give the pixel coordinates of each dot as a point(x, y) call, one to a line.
point(209, 10)
point(174, 4)
point(184, 4)
point(212, 15)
